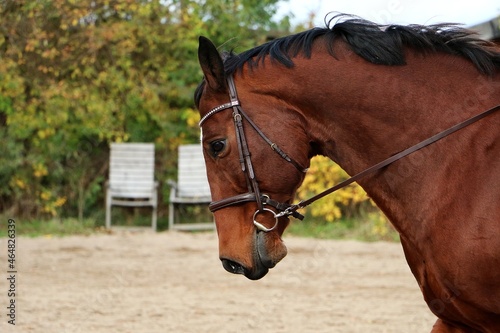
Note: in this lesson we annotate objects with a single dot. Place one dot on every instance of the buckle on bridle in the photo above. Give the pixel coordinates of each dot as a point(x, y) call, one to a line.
point(283, 208)
point(291, 211)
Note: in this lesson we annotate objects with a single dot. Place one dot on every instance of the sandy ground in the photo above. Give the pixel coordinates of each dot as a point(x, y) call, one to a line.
point(173, 282)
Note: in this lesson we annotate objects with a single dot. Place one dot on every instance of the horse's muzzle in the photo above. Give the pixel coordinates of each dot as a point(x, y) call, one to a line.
point(263, 259)
point(234, 267)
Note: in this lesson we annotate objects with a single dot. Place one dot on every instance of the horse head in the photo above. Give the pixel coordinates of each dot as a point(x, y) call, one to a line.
point(250, 183)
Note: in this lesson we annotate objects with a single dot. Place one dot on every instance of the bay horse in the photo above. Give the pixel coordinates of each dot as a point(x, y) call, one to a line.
point(360, 93)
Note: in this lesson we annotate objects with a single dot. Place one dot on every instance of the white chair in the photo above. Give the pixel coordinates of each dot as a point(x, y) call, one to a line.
point(191, 187)
point(131, 178)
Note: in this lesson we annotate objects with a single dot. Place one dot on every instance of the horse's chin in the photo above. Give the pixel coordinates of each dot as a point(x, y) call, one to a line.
point(269, 250)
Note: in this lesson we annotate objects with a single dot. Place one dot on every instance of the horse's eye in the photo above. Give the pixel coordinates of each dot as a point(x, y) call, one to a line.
point(217, 146)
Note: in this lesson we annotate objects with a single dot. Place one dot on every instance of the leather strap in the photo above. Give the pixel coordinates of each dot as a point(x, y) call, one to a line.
point(234, 200)
point(273, 145)
point(250, 197)
point(392, 159)
point(217, 109)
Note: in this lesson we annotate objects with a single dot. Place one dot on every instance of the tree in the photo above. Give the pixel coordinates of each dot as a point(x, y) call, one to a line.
point(76, 75)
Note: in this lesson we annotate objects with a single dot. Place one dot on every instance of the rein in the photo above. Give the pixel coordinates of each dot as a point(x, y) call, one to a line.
point(285, 209)
point(390, 160)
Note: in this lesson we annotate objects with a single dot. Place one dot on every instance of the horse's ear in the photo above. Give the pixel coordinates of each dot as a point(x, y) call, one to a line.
point(211, 64)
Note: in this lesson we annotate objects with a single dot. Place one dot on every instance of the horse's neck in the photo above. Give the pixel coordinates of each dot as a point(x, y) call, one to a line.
point(362, 114)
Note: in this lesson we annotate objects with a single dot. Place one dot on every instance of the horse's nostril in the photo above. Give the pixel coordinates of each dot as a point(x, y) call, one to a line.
point(232, 267)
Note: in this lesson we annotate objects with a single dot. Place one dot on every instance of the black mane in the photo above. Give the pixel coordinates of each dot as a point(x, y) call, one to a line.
point(376, 43)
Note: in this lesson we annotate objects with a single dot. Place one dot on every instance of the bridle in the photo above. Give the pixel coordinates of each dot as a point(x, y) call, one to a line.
point(254, 193)
point(284, 209)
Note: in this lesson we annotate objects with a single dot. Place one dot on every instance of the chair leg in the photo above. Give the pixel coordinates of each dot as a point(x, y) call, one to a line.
point(108, 210)
point(171, 216)
point(154, 218)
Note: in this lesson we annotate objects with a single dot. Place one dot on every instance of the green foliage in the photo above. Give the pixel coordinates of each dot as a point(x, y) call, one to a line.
point(52, 227)
point(361, 228)
point(77, 75)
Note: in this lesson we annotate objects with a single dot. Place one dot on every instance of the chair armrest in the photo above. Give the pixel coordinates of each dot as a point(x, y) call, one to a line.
point(172, 183)
point(173, 189)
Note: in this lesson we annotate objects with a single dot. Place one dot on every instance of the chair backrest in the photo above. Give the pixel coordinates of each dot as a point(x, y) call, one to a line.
point(131, 170)
point(192, 179)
